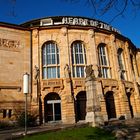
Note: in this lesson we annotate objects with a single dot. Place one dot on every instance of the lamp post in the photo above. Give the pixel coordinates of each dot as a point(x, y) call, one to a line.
point(26, 91)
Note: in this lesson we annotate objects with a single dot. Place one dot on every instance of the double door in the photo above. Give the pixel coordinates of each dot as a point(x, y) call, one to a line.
point(53, 111)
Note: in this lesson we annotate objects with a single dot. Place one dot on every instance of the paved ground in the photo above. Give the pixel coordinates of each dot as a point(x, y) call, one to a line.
point(17, 133)
point(124, 130)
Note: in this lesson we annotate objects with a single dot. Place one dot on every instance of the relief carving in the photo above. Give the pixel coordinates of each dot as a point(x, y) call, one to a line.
point(89, 72)
point(7, 43)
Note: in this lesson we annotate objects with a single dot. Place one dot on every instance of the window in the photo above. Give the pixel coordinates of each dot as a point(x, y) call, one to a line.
point(10, 113)
point(78, 59)
point(50, 54)
point(103, 61)
point(4, 113)
point(121, 64)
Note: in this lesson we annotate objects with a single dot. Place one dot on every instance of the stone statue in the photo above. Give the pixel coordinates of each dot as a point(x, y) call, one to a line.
point(67, 71)
point(36, 73)
point(89, 71)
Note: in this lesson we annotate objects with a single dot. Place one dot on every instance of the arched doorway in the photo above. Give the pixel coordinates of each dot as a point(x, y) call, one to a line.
point(52, 107)
point(110, 105)
point(129, 103)
point(81, 106)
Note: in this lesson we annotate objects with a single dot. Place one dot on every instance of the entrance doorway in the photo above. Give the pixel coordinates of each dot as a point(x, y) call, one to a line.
point(129, 103)
point(110, 105)
point(52, 107)
point(81, 106)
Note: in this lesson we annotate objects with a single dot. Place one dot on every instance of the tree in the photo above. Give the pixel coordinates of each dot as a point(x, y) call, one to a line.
point(101, 7)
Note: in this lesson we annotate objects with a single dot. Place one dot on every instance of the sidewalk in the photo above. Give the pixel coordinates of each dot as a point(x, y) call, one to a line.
point(18, 133)
point(123, 129)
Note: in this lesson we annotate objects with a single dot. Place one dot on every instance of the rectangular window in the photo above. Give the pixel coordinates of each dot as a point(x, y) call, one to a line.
point(44, 73)
point(4, 113)
point(10, 113)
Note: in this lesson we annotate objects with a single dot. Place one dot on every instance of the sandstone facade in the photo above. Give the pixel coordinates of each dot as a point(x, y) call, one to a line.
point(55, 56)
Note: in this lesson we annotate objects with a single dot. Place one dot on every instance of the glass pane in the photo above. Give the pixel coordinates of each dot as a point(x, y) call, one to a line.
point(44, 73)
point(81, 59)
point(48, 48)
point(77, 59)
point(48, 59)
point(104, 60)
point(58, 72)
point(49, 112)
point(44, 55)
point(82, 72)
point(78, 71)
point(53, 59)
point(57, 58)
point(105, 72)
point(48, 72)
point(53, 72)
point(57, 111)
point(53, 48)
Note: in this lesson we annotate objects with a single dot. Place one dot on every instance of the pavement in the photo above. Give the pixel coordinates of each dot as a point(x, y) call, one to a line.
point(122, 129)
point(15, 134)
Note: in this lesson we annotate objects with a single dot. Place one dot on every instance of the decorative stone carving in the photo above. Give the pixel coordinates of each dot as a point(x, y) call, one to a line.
point(97, 108)
point(67, 71)
point(112, 37)
point(99, 72)
point(91, 32)
point(64, 31)
point(7, 43)
point(89, 72)
point(69, 99)
point(36, 73)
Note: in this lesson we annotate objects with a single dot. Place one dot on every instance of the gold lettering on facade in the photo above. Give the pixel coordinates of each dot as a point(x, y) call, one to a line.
point(7, 43)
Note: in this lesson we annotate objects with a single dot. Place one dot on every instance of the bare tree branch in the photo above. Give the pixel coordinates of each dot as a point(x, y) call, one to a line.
point(101, 7)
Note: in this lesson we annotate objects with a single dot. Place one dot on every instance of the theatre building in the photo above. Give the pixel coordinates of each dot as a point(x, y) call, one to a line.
point(55, 52)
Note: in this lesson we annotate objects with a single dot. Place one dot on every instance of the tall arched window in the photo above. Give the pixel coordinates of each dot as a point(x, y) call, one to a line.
point(50, 58)
point(121, 64)
point(78, 59)
point(103, 61)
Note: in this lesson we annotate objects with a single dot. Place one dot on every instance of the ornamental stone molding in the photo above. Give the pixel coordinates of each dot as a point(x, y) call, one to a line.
point(9, 44)
point(64, 31)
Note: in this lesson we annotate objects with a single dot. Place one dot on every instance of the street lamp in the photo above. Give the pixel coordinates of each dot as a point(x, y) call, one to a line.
point(26, 91)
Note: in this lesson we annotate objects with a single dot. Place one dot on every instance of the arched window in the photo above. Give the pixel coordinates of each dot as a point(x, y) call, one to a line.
point(103, 61)
point(78, 59)
point(121, 64)
point(50, 58)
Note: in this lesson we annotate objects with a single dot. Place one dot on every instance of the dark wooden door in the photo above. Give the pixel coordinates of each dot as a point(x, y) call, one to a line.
point(81, 106)
point(110, 105)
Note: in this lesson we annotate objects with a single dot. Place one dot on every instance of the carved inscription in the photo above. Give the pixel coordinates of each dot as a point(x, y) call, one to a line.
point(7, 43)
point(52, 84)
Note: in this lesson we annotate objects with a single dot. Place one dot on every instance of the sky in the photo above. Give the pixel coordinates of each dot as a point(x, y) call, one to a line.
point(25, 10)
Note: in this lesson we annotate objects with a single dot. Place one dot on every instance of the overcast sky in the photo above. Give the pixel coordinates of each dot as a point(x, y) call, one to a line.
point(26, 10)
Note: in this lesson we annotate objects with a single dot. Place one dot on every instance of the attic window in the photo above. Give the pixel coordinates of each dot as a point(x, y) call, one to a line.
point(45, 22)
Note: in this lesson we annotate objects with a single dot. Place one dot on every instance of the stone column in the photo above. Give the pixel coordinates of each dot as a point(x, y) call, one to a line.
point(93, 104)
point(68, 98)
point(124, 101)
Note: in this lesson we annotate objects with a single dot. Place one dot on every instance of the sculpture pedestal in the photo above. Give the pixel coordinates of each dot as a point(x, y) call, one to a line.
point(93, 115)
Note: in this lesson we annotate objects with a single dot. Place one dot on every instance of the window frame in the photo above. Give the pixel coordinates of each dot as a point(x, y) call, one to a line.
point(121, 63)
point(104, 64)
point(79, 61)
point(50, 60)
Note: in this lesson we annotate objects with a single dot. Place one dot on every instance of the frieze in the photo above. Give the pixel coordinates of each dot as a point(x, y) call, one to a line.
point(109, 83)
point(9, 44)
point(78, 82)
point(53, 83)
point(129, 84)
